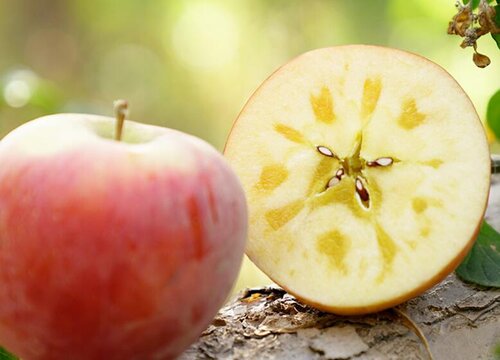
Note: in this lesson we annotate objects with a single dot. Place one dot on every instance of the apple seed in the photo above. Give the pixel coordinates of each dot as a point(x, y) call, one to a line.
point(361, 191)
point(336, 179)
point(333, 181)
point(383, 161)
point(325, 151)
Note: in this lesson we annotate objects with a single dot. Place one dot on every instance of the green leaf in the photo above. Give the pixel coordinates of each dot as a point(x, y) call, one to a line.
point(475, 3)
point(493, 114)
point(5, 355)
point(482, 264)
point(496, 351)
point(496, 37)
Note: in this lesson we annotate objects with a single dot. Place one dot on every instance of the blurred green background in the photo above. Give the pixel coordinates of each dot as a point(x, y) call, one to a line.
point(191, 65)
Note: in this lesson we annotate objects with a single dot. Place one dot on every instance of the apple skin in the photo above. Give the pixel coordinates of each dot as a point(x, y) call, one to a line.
point(113, 250)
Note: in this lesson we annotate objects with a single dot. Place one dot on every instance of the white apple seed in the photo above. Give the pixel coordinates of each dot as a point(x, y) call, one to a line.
point(333, 181)
point(325, 151)
point(383, 161)
point(361, 190)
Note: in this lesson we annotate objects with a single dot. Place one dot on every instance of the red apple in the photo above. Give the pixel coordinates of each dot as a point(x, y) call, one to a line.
point(113, 249)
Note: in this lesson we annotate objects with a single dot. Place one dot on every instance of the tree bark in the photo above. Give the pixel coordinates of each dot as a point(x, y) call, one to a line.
point(460, 321)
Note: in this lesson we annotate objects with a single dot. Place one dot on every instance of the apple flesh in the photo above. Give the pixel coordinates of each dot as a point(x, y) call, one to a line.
point(113, 250)
point(367, 173)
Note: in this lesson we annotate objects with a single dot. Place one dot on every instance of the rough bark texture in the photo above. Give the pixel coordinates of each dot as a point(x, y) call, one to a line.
point(460, 321)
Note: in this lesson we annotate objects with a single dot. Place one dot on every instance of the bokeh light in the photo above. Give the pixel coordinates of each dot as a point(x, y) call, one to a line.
point(19, 87)
point(205, 36)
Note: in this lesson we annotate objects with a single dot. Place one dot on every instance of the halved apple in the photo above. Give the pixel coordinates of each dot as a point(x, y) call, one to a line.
point(367, 173)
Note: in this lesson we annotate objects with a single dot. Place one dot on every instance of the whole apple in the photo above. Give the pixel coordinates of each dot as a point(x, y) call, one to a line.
point(113, 249)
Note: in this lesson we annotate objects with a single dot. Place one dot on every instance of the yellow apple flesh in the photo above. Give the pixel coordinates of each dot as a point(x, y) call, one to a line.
point(366, 171)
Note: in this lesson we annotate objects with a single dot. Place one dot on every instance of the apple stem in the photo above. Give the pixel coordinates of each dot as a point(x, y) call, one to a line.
point(120, 108)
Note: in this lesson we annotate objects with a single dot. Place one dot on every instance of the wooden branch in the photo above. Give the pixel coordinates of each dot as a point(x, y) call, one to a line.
point(460, 321)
